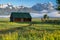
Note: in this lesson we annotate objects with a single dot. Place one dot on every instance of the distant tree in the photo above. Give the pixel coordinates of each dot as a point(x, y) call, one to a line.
point(58, 2)
point(46, 17)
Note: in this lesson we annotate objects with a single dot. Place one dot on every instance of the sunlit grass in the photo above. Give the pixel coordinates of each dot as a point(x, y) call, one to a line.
point(35, 31)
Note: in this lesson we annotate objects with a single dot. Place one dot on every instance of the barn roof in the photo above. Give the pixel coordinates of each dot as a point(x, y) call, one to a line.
point(20, 15)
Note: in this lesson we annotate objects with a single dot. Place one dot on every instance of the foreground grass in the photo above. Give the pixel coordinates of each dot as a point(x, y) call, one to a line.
point(36, 31)
point(31, 35)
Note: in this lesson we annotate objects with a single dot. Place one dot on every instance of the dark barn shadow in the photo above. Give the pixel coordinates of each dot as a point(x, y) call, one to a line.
point(47, 22)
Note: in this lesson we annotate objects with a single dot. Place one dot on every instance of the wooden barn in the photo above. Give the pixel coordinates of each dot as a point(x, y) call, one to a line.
point(20, 17)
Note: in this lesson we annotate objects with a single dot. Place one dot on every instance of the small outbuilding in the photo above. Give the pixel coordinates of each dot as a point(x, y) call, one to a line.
point(20, 17)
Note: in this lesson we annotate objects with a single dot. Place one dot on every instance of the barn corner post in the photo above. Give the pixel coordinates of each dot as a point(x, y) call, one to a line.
point(11, 17)
point(30, 22)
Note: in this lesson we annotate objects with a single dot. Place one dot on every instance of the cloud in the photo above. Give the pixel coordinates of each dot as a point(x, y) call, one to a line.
point(51, 14)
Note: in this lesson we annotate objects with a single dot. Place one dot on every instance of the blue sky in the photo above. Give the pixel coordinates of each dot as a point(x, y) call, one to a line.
point(27, 3)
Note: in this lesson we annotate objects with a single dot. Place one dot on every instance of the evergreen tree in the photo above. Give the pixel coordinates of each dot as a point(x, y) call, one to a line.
point(45, 16)
point(58, 2)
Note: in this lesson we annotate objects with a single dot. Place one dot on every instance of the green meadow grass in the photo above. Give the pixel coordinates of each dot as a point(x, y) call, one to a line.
point(36, 31)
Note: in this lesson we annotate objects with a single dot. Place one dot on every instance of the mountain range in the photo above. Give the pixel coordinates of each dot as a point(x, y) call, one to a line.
point(6, 9)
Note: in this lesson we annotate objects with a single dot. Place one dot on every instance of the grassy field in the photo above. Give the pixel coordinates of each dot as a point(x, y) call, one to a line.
point(24, 31)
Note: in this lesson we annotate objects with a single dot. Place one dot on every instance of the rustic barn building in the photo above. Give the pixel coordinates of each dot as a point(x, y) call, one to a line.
point(20, 17)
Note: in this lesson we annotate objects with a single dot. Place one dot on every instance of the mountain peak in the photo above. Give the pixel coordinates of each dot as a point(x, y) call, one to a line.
point(44, 6)
point(50, 3)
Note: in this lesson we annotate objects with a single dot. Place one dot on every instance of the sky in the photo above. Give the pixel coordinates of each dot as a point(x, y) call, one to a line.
point(27, 3)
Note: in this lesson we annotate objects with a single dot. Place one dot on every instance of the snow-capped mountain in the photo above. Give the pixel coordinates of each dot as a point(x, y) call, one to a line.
point(39, 7)
point(45, 6)
point(6, 9)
